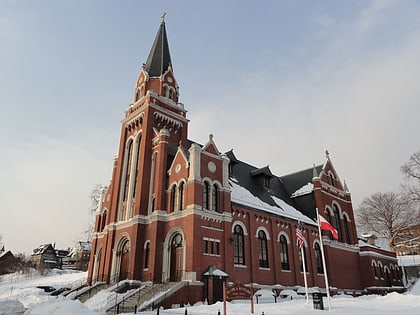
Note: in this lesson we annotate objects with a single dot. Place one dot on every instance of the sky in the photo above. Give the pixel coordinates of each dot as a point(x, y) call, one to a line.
point(279, 82)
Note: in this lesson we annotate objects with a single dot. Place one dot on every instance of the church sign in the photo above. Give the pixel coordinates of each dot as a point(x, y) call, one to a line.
point(238, 292)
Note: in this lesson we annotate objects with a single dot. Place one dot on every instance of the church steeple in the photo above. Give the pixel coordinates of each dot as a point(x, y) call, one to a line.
point(157, 74)
point(159, 59)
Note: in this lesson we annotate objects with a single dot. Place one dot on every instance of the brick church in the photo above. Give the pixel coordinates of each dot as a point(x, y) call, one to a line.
point(180, 211)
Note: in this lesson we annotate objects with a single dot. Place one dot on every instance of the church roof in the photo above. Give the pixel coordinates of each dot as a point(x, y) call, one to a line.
point(249, 192)
point(159, 57)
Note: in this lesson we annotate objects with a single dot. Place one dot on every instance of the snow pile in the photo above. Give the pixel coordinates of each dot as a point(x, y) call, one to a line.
point(60, 306)
point(10, 306)
point(22, 288)
point(13, 293)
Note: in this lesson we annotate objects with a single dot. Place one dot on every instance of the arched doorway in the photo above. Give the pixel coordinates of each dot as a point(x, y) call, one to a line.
point(96, 266)
point(176, 258)
point(121, 258)
point(124, 261)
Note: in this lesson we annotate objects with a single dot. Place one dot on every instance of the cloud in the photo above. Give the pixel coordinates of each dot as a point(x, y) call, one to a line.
point(358, 101)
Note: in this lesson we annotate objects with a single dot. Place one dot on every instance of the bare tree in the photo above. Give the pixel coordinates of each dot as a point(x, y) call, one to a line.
point(95, 198)
point(386, 214)
point(411, 186)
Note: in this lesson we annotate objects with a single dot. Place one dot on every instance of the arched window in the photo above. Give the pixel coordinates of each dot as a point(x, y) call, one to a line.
point(147, 255)
point(381, 272)
point(172, 198)
point(262, 249)
point(136, 167)
point(338, 223)
point(331, 176)
point(375, 272)
point(284, 254)
point(127, 170)
point(238, 246)
point(137, 94)
point(206, 195)
point(346, 229)
point(301, 259)
point(165, 91)
point(171, 94)
point(181, 196)
point(215, 198)
point(329, 219)
point(318, 259)
point(103, 221)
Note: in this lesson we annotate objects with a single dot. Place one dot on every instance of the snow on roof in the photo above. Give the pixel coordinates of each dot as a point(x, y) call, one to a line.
point(304, 190)
point(242, 196)
point(409, 260)
point(216, 272)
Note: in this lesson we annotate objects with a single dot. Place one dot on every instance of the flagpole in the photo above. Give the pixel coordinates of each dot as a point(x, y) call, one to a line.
point(327, 286)
point(304, 274)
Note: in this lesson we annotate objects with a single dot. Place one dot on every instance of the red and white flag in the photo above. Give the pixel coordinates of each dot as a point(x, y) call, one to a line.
point(325, 225)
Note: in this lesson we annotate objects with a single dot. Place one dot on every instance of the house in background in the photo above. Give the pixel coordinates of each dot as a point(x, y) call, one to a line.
point(79, 256)
point(8, 262)
point(44, 257)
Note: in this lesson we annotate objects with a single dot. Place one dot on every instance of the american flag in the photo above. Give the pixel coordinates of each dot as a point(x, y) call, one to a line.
point(299, 235)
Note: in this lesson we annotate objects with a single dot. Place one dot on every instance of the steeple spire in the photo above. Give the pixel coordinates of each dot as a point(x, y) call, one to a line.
point(159, 57)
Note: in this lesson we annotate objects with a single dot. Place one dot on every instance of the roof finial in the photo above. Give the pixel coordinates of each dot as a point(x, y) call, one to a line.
point(314, 172)
point(163, 17)
point(327, 154)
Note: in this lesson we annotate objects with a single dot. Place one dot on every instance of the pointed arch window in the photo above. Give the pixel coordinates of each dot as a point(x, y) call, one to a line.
point(284, 254)
point(338, 223)
point(238, 246)
point(206, 196)
point(103, 221)
point(262, 249)
point(331, 176)
point(346, 224)
point(381, 272)
point(136, 167)
point(318, 259)
point(172, 198)
point(215, 198)
point(127, 170)
point(181, 196)
point(301, 259)
point(147, 255)
point(375, 272)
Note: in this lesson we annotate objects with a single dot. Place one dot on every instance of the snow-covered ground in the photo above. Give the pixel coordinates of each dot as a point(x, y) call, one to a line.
point(19, 293)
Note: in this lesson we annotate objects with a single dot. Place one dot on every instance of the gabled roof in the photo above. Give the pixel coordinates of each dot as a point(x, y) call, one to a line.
point(159, 57)
point(213, 271)
point(231, 156)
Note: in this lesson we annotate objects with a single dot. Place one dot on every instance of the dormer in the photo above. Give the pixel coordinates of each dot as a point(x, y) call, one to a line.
point(232, 161)
point(262, 176)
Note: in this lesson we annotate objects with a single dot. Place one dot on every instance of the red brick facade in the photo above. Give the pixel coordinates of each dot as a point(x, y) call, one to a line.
point(172, 208)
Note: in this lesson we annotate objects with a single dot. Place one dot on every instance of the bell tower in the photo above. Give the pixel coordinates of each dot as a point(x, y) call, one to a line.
point(152, 129)
point(153, 123)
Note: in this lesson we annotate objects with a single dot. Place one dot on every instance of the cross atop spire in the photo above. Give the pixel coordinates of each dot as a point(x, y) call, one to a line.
point(163, 17)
